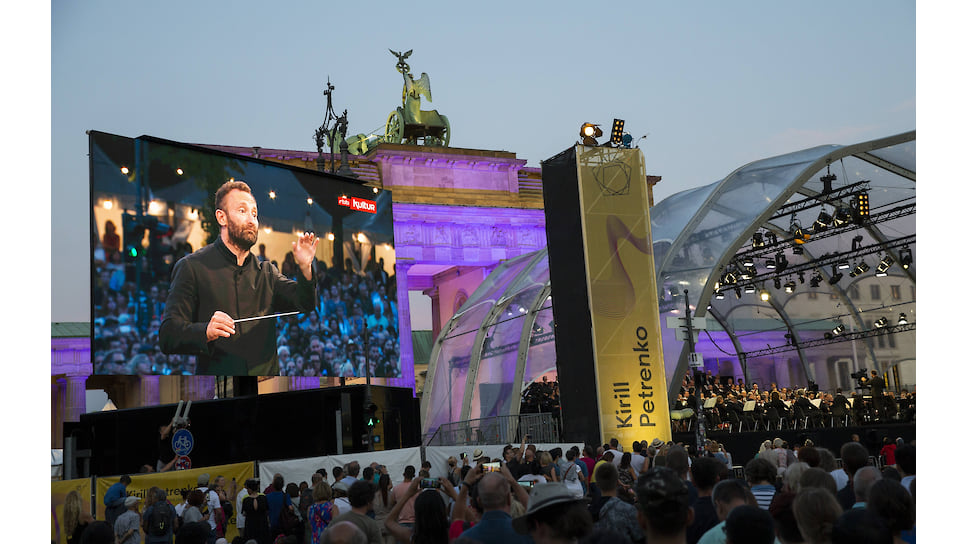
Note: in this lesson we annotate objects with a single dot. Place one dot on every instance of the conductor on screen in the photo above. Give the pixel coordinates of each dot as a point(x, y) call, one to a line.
point(224, 282)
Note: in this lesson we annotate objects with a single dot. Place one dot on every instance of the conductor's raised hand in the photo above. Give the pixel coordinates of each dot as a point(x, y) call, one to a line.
point(304, 251)
point(219, 326)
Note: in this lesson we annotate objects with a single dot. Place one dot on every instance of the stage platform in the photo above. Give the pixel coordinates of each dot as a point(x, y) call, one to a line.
point(744, 446)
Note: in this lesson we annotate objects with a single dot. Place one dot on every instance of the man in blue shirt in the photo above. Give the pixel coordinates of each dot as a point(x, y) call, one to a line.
point(114, 499)
point(494, 498)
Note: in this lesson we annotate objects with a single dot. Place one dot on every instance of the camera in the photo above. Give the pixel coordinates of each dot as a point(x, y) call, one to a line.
point(494, 466)
point(863, 382)
point(463, 455)
point(429, 483)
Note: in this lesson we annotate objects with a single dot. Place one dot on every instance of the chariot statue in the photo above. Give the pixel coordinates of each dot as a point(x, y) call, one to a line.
point(410, 124)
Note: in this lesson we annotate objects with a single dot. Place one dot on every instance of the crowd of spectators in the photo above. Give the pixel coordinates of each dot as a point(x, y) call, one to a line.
point(355, 322)
point(754, 407)
point(656, 492)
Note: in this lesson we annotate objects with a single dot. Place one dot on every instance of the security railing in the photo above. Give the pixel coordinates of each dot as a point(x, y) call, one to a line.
point(542, 428)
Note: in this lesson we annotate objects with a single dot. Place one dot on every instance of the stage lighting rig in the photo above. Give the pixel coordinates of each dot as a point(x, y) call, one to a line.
point(618, 127)
point(588, 133)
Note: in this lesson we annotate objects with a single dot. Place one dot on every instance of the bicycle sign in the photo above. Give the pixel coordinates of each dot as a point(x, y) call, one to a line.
point(182, 442)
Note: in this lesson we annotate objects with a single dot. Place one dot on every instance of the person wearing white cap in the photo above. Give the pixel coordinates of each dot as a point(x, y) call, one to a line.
point(127, 528)
point(554, 515)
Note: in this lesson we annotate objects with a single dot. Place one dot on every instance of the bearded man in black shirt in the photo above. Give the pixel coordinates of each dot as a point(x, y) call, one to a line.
point(222, 280)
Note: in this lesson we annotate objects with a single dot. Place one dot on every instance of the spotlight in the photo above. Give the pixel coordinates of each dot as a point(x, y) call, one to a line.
point(739, 294)
point(588, 134)
point(797, 250)
point(720, 295)
point(729, 278)
point(815, 280)
point(618, 127)
point(772, 237)
point(905, 257)
point(770, 264)
point(839, 329)
point(823, 221)
point(758, 239)
point(764, 295)
point(750, 289)
point(902, 319)
point(799, 236)
point(747, 262)
point(790, 287)
point(124, 170)
point(881, 323)
point(835, 277)
point(843, 265)
point(828, 180)
point(179, 171)
point(862, 207)
point(272, 195)
point(860, 269)
point(781, 262)
point(309, 200)
point(776, 283)
point(886, 263)
point(842, 216)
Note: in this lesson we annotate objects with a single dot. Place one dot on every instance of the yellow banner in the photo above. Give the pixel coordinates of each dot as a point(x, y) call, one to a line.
point(58, 495)
point(622, 295)
point(175, 481)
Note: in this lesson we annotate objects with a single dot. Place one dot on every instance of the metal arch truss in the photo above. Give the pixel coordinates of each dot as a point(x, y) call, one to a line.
point(845, 337)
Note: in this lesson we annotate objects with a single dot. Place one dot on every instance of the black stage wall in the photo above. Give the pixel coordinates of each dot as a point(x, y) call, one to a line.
point(744, 446)
point(574, 347)
point(289, 425)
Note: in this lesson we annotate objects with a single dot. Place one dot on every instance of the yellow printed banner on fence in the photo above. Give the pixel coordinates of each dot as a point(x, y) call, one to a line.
point(173, 482)
point(59, 490)
point(622, 294)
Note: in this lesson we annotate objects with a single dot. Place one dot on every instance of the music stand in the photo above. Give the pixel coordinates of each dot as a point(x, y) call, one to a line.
point(749, 406)
point(815, 403)
point(710, 403)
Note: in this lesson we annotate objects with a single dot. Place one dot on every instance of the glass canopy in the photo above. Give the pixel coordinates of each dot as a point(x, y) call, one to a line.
point(799, 267)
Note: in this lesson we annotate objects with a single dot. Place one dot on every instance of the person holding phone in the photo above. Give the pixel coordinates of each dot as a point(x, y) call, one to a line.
point(494, 496)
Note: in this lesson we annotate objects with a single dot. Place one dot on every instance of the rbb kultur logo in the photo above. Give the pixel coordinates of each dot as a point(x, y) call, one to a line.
point(358, 204)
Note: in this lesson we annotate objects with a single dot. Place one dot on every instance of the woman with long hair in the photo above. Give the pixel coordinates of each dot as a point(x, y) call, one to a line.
point(75, 518)
point(382, 503)
point(322, 511)
point(430, 526)
point(626, 478)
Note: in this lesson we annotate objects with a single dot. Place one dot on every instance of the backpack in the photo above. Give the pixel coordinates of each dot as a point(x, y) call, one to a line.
point(159, 521)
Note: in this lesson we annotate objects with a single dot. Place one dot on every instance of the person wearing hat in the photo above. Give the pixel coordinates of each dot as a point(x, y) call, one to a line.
point(494, 498)
point(554, 515)
point(664, 511)
point(127, 528)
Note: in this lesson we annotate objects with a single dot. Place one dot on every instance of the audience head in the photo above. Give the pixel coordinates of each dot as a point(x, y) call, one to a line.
point(748, 524)
point(728, 494)
point(809, 455)
point(343, 532)
point(493, 492)
point(860, 526)
point(816, 509)
point(663, 501)
point(361, 494)
point(554, 513)
point(815, 477)
point(904, 459)
point(785, 523)
point(759, 471)
point(864, 478)
point(678, 460)
point(854, 456)
point(889, 500)
point(705, 472)
point(430, 517)
point(606, 477)
point(791, 478)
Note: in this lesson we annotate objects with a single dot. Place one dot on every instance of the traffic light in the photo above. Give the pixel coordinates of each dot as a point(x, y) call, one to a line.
point(372, 419)
point(134, 232)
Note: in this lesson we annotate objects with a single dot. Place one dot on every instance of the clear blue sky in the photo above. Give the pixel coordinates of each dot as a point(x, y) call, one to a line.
point(714, 85)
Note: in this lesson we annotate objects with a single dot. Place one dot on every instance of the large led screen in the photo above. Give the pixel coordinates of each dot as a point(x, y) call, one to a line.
point(153, 203)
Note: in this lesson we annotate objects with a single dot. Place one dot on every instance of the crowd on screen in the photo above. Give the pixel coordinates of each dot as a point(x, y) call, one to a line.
point(354, 325)
point(771, 406)
point(653, 492)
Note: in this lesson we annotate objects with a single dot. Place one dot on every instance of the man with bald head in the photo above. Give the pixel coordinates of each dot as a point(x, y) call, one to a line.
point(494, 497)
point(864, 478)
point(343, 532)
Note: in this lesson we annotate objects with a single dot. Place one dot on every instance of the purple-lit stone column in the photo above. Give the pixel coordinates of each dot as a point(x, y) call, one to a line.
point(75, 401)
point(297, 383)
point(406, 340)
point(150, 390)
point(198, 388)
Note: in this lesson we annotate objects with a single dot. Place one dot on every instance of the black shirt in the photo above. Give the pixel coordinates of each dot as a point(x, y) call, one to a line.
point(211, 280)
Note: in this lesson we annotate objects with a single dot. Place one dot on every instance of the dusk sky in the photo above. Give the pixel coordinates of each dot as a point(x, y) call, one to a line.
point(714, 86)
